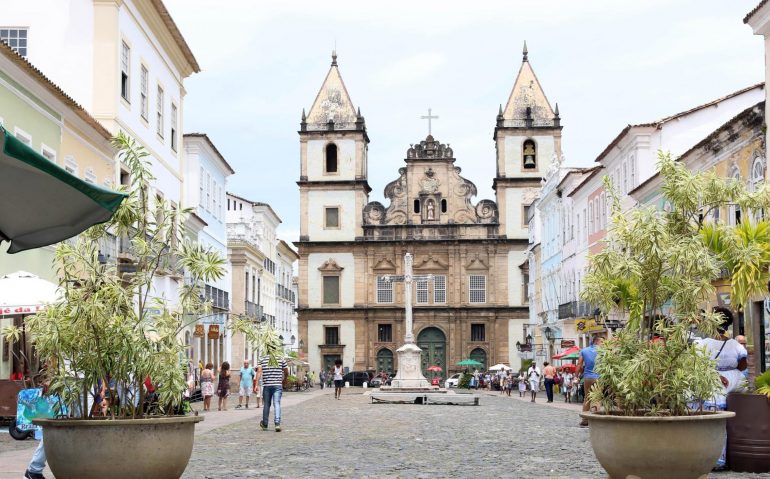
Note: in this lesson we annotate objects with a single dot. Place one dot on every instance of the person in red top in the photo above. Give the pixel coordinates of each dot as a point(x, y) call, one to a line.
point(549, 372)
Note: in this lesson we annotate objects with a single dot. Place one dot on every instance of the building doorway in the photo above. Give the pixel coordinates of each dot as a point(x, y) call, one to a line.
point(480, 355)
point(329, 360)
point(432, 341)
point(385, 360)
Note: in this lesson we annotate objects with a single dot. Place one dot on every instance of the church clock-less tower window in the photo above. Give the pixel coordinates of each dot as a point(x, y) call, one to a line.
point(331, 158)
point(530, 155)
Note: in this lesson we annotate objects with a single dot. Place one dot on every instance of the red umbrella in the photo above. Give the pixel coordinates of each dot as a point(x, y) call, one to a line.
point(435, 369)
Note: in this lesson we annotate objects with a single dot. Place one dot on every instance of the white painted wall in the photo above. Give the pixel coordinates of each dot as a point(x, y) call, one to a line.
point(514, 212)
point(515, 278)
point(346, 155)
point(347, 278)
point(515, 333)
point(345, 201)
point(315, 332)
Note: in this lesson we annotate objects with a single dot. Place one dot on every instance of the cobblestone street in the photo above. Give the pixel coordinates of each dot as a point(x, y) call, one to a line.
point(321, 437)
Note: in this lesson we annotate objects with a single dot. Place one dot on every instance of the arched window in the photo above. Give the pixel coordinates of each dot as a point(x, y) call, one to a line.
point(757, 173)
point(529, 155)
point(416, 206)
point(443, 206)
point(331, 158)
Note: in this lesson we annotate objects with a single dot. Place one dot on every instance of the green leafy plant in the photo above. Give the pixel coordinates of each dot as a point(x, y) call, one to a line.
point(657, 270)
point(762, 384)
point(111, 326)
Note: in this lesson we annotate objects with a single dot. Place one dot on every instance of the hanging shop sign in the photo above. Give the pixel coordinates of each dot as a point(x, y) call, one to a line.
point(199, 332)
point(587, 326)
point(213, 331)
point(567, 343)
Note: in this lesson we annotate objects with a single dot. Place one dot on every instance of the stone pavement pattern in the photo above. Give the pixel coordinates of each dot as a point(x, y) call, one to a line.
point(352, 438)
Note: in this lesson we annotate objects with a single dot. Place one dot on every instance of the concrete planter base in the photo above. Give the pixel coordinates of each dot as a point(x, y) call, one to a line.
point(679, 447)
point(123, 448)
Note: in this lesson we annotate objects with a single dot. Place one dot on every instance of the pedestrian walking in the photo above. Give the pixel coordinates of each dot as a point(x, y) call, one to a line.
point(207, 385)
point(223, 386)
point(257, 390)
point(522, 384)
point(567, 386)
point(322, 378)
point(533, 375)
point(550, 378)
point(508, 383)
point(338, 372)
point(246, 385)
point(586, 367)
point(273, 377)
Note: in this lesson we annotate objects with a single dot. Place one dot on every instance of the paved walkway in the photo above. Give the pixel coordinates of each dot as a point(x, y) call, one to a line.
point(352, 438)
point(15, 455)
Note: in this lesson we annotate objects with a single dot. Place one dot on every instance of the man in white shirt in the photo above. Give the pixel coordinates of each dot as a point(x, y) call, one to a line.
point(533, 375)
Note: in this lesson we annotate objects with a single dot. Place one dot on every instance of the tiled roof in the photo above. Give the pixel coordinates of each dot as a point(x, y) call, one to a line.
point(662, 121)
point(176, 34)
point(753, 11)
point(213, 147)
point(54, 89)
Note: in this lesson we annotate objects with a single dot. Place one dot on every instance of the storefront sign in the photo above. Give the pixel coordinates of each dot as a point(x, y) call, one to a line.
point(213, 331)
point(567, 343)
point(587, 326)
point(199, 332)
point(9, 310)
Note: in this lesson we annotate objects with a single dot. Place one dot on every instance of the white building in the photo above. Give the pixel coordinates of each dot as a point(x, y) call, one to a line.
point(206, 172)
point(125, 62)
point(285, 297)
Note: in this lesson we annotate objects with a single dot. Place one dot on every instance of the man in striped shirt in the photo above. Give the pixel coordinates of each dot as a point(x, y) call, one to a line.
point(272, 380)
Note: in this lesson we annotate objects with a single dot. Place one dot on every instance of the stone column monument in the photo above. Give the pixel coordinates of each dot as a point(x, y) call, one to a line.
point(409, 374)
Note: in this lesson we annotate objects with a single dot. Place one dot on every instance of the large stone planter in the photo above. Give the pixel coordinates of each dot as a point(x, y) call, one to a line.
point(157, 448)
point(679, 447)
point(748, 433)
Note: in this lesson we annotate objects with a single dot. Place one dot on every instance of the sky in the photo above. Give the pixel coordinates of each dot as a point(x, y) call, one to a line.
point(607, 63)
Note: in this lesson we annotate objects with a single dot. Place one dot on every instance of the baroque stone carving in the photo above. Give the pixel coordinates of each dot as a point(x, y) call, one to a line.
point(374, 213)
point(396, 193)
point(487, 212)
point(429, 184)
point(330, 266)
point(429, 148)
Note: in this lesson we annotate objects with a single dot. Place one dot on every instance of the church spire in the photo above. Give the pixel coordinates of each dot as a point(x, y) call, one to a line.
point(527, 104)
point(332, 107)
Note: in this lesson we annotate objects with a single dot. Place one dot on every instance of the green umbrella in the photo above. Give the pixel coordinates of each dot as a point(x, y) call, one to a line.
point(575, 355)
point(469, 362)
point(41, 203)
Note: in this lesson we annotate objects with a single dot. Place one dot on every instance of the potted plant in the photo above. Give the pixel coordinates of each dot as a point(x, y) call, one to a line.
point(745, 254)
point(657, 271)
point(112, 330)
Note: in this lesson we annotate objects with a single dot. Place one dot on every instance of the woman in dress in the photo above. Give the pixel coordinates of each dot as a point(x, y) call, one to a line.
point(207, 385)
point(522, 384)
point(731, 360)
point(223, 388)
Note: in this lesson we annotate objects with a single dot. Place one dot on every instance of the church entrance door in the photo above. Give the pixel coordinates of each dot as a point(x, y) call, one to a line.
point(480, 355)
point(329, 361)
point(385, 360)
point(432, 341)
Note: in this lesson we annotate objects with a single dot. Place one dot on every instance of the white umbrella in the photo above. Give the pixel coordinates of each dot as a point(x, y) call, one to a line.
point(23, 293)
point(498, 367)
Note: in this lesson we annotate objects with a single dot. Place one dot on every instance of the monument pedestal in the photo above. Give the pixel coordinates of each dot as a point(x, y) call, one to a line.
point(409, 374)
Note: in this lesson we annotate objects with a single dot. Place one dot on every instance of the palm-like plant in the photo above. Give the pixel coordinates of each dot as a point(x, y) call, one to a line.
point(658, 270)
point(114, 327)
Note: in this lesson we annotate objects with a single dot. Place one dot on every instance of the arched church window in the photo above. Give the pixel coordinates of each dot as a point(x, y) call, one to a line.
point(530, 155)
point(416, 206)
point(757, 173)
point(331, 158)
point(443, 206)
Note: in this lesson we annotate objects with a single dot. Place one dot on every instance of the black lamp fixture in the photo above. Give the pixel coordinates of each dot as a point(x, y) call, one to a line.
point(293, 338)
point(301, 344)
point(549, 334)
point(529, 339)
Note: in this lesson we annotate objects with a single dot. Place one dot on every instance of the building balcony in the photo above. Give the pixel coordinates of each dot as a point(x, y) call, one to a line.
point(252, 310)
point(575, 309)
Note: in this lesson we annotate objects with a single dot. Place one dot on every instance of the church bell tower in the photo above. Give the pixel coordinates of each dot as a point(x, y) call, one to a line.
point(333, 164)
point(527, 138)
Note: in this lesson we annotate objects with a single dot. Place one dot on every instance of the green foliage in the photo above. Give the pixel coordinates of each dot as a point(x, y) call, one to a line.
point(762, 383)
point(111, 324)
point(465, 381)
point(657, 270)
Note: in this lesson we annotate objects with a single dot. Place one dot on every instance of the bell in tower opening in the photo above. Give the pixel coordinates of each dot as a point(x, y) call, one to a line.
point(530, 155)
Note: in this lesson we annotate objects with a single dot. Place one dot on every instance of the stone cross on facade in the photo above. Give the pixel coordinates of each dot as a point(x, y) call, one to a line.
point(408, 278)
point(429, 117)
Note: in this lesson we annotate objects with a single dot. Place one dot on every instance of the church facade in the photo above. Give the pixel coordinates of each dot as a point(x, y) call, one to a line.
point(475, 303)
